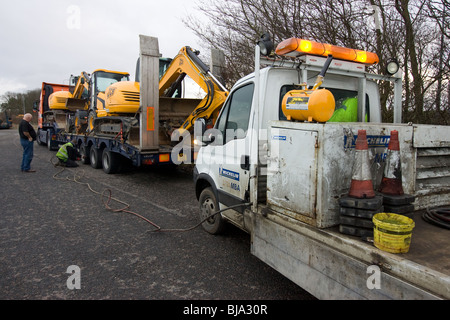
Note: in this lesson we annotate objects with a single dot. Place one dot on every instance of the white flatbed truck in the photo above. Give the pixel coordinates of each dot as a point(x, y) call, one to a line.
point(282, 181)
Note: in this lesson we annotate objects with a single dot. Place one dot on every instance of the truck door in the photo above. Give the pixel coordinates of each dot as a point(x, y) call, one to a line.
point(230, 154)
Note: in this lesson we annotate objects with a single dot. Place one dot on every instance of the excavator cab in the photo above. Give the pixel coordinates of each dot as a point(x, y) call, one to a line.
point(104, 78)
point(112, 94)
point(102, 82)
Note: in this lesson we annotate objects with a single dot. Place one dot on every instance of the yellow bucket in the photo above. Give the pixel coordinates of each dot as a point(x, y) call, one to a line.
point(392, 232)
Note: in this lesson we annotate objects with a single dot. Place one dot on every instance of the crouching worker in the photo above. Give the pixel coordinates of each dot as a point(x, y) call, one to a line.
point(68, 154)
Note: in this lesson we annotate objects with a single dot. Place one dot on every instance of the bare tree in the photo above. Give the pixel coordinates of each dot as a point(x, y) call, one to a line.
point(439, 11)
point(18, 103)
point(416, 32)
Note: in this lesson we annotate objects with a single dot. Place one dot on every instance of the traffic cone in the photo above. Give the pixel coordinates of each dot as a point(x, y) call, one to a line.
point(361, 185)
point(391, 183)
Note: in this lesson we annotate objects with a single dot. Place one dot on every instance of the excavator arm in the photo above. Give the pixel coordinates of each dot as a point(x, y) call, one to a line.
point(188, 63)
point(74, 99)
point(79, 99)
point(81, 86)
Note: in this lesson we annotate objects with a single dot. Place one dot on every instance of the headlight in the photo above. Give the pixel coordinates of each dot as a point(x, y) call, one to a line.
point(265, 44)
point(392, 66)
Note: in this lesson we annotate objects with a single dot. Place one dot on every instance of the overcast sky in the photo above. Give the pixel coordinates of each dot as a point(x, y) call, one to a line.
point(48, 40)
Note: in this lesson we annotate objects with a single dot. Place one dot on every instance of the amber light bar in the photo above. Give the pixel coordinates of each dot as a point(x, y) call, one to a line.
point(295, 47)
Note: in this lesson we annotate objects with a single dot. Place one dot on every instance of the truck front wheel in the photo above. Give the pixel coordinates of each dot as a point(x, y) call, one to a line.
point(38, 138)
point(208, 206)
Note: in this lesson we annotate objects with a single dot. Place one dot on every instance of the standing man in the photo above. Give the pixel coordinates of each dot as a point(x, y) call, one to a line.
point(27, 138)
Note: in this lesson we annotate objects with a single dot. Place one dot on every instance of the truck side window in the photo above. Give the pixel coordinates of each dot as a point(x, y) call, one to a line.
point(233, 122)
point(284, 89)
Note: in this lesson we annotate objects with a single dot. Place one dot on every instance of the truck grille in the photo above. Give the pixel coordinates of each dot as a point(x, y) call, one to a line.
point(131, 96)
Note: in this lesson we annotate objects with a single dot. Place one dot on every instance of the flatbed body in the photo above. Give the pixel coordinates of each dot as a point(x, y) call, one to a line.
point(296, 229)
point(332, 265)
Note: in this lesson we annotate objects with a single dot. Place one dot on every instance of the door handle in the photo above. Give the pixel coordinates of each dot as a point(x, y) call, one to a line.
point(245, 162)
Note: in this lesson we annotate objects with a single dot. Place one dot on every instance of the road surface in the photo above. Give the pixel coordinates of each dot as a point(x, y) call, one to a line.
point(58, 241)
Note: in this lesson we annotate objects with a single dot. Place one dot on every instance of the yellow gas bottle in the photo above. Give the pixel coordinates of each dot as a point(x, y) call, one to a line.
point(57, 100)
point(308, 105)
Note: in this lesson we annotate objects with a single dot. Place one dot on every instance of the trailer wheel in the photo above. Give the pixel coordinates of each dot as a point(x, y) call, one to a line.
point(209, 205)
point(85, 154)
point(95, 156)
point(111, 162)
point(49, 141)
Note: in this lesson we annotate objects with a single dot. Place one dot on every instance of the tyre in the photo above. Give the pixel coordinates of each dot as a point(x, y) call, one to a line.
point(85, 154)
point(209, 205)
point(49, 141)
point(111, 162)
point(95, 157)
point(38, 138)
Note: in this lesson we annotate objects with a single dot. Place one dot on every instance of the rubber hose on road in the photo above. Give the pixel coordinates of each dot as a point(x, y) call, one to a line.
point(439, 217)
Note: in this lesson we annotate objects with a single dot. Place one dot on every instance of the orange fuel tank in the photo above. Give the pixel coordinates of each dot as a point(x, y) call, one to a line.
point(308, 105)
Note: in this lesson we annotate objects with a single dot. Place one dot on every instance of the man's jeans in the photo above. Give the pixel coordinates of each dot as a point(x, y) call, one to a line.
point(27, 154)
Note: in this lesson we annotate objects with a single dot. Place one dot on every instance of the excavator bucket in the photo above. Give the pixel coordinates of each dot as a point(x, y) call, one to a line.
point(73, 104)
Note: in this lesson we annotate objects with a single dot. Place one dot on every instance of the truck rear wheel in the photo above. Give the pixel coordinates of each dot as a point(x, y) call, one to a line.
point(96, 157)
point(208, 206)
point(111, 162)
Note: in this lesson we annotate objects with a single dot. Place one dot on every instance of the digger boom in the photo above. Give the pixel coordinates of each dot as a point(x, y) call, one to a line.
point(188, 63)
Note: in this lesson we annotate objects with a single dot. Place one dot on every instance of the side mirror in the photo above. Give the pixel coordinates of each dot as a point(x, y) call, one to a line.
point(202, 135)
point(199, 131)
point(199, 127)
point(36, 106)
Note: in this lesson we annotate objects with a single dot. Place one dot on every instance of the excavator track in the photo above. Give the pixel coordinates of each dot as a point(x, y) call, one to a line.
point(115, 127)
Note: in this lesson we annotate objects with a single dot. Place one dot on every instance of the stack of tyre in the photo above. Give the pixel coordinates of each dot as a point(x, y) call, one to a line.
point(356, 215)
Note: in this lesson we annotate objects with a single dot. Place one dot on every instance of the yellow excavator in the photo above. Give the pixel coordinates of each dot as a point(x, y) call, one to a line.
point(64, 103)
point(176, 113)
point(188, 63)
point(114, 98)
point(104, 93)
point(107, 103)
